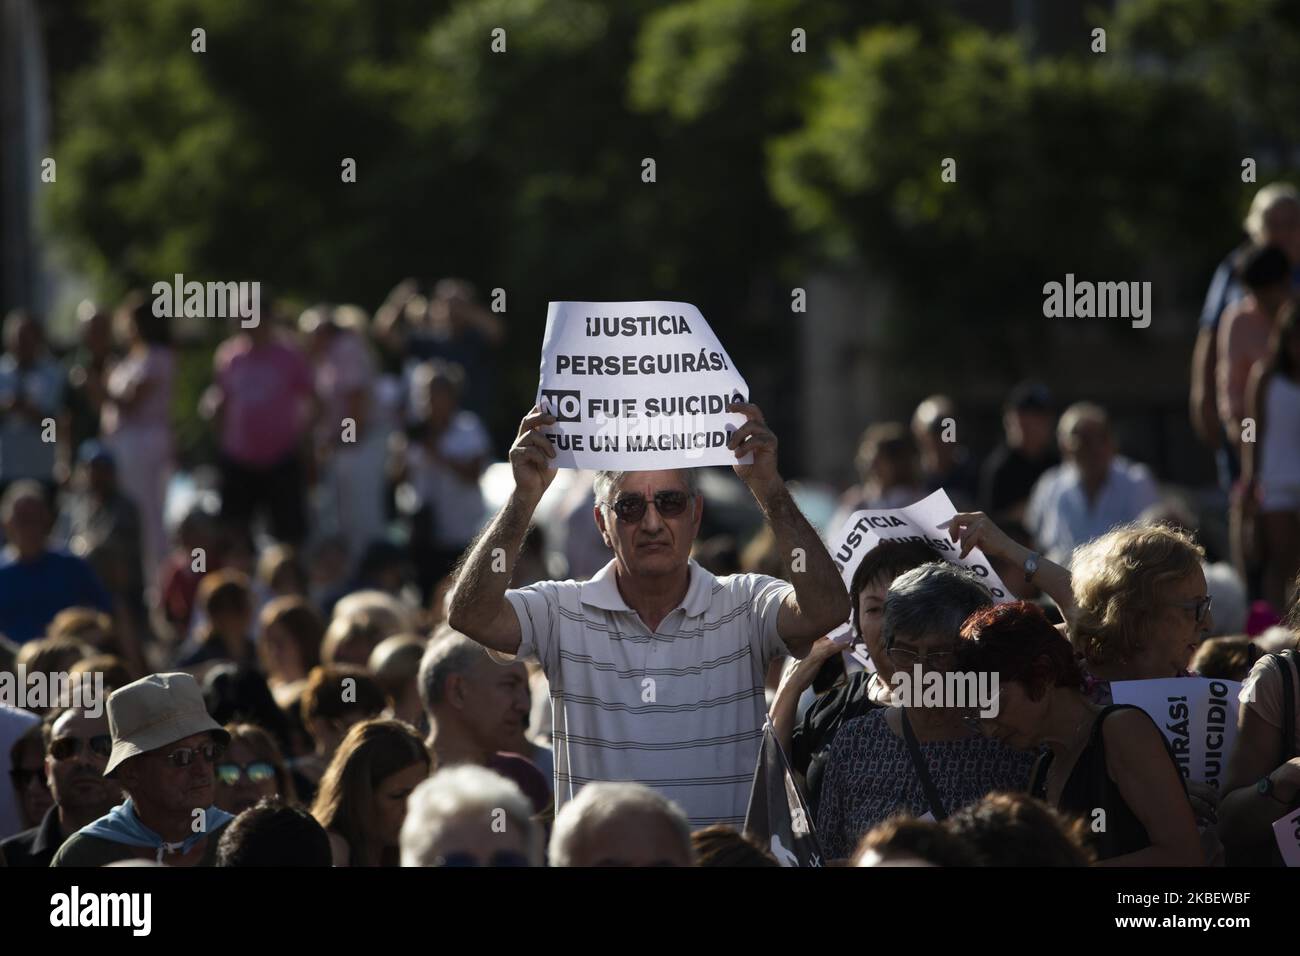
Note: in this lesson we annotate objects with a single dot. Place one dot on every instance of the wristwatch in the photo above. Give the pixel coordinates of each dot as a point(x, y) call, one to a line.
point(1031, 566)
point(1265, 788)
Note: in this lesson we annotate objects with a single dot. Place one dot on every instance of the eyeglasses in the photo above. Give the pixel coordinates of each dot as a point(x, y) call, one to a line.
point(23, 776)
point(905, 658)
point(67, 747)
point(973, 720)
point(500, 858)
point(669, 504)
point(1201, 606)
point(184, 756)
point(259, 771)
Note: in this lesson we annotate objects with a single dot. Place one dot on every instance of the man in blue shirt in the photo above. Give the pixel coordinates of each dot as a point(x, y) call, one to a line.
point(35, 582)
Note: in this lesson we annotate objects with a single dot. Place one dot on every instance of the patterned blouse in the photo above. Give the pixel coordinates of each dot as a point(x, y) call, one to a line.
point(869, 777)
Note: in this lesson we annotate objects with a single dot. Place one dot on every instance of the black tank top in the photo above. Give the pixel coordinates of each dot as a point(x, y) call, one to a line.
point(1090, 787)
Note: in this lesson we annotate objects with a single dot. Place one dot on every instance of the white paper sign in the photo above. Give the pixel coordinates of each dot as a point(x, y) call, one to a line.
point(926, 521)
point(1198, 716)
point(1287, 832)
point(637, 386)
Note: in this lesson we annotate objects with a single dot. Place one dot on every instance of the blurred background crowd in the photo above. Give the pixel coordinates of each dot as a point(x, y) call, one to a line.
point(278, 509)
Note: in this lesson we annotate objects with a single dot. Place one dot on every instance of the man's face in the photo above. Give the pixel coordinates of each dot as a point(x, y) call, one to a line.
point(494, 703)
point(1090, 447)
point(633, 839)
point(29, 526)
point(154, 778)
point(654, 545)
point(75, 768)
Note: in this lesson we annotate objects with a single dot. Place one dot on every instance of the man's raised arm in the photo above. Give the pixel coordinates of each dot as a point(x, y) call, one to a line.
point(477, 605)
point(820, 602)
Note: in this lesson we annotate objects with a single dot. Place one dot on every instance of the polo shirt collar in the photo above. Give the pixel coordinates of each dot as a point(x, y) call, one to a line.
point(601, 590)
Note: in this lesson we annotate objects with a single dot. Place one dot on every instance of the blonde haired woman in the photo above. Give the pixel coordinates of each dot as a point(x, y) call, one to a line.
point(1141, 605)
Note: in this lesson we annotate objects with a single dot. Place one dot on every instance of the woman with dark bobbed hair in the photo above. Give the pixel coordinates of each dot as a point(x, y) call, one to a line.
point(1109, 765)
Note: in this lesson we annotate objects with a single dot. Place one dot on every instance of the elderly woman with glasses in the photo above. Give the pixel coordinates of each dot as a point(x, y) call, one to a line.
point(917, 755)
point(1109, 765)
point(1141, 607)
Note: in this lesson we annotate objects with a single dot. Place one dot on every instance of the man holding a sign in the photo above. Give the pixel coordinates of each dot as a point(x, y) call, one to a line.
point(656, 667)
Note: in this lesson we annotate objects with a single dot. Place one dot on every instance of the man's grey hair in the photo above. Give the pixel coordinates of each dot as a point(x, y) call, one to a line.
point(461, 791)
point(932, 600)
point(449, 652)
point(596, 803)
point(607, 481)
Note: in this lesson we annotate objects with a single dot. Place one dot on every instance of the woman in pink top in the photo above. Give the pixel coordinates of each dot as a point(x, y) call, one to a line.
point(136, 419)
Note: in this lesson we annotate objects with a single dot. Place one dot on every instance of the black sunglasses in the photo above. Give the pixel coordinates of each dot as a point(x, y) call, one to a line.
point(184, 756)
point(65, 747)
point(23, 776)
point(669, 504)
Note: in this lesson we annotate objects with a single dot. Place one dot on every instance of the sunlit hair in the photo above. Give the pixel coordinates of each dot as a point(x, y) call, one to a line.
point(1268, 196)
point(925, 840)
point(300, 622)
point(1077, 414)
point(386, 613)
point(461, 791)
point(1225, 658)
point(276, 559)
point(1014, 829)
point(599, 802)
point(372, 751)
point(1118, 582)
point(85, 624)
point(325, 697)
point(265, 748)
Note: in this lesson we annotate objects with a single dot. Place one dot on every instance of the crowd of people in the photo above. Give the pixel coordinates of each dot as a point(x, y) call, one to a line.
point(322, 646)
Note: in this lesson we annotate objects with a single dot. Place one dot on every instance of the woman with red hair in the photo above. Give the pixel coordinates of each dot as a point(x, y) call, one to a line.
point(1110, 765)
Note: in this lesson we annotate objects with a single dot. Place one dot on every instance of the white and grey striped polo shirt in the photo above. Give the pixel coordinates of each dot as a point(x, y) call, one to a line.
point(680, 710)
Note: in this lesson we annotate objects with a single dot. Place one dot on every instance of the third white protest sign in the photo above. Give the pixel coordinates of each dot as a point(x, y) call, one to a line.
point(1198, 716)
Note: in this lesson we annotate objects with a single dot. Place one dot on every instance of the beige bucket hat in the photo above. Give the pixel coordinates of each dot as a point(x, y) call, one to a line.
point(156, 711)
